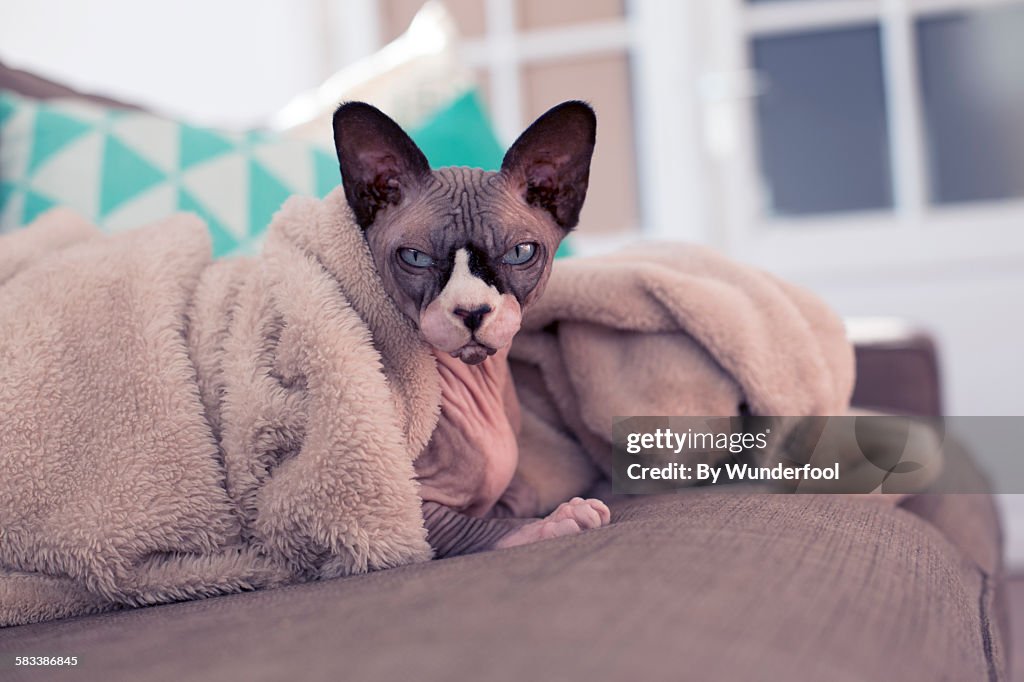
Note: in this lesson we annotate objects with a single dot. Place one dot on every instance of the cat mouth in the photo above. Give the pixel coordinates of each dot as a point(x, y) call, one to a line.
point(473, 353)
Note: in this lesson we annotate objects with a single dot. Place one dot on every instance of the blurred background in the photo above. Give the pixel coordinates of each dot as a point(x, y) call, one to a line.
point(872, 150)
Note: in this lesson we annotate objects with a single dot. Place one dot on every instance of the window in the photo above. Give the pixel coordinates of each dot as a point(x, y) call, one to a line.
point(888, 134)
point(972, 90)
point(823, 134)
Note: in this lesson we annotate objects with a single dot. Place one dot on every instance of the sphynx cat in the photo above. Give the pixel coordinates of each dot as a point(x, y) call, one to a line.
point(464, 253)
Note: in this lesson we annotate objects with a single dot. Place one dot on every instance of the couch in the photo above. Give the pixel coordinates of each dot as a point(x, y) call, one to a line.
point(698, 586)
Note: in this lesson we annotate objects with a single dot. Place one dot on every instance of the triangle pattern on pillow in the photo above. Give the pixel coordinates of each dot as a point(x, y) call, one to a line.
point(152, 138)
point(221, 186)
point(199, 144)
point(35, 205)
point(72, 175)
point(222, 240)
point(289, 163)
point(158, 201)
point(52, 130)
point(124, 174)
point(266, 194)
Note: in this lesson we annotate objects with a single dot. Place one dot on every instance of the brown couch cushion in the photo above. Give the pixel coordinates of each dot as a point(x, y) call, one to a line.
point(897, 367)
point(696, 586)
point(31, 85)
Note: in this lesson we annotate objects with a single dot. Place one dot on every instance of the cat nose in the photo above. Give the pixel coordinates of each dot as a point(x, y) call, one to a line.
point(472, 317)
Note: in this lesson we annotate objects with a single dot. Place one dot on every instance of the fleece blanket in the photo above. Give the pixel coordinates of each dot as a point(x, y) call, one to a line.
point(665, 329)
point(172, 427)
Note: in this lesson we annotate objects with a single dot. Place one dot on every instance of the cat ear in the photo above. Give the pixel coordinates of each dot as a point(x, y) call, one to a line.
point(378, 161)
point(550, 162)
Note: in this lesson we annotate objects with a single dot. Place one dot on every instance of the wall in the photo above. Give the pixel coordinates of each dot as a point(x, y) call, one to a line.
point(228, 62)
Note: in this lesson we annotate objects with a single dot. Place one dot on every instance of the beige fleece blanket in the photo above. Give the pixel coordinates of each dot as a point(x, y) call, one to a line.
point(665, 329)
point(172, 427)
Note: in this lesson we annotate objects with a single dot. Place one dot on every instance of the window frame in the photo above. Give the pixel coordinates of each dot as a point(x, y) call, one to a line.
point(916, 234)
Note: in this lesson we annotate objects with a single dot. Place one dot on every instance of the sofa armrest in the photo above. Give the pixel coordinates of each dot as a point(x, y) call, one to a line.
point(897, 367)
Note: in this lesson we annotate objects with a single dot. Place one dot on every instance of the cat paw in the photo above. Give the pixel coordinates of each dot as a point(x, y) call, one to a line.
point(569, 518)
point(590, 513)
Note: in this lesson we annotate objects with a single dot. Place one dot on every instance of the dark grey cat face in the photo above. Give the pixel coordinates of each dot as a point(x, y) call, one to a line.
point(463, 252)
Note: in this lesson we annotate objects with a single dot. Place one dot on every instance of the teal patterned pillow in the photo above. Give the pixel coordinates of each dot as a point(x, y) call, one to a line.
point(459, 134)
point(122, 169)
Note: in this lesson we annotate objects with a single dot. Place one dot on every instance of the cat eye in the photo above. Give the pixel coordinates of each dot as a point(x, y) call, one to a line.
point(519, 254)
point(415, 258)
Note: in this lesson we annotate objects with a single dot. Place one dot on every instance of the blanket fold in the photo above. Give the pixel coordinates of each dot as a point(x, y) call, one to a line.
point(173, 427)
point(665, 329)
